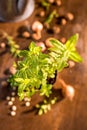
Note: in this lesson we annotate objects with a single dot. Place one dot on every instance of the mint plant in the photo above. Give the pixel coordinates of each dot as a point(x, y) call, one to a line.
point(35, 68)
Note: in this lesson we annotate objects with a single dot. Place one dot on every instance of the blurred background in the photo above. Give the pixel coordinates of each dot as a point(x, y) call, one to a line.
point(55, 18)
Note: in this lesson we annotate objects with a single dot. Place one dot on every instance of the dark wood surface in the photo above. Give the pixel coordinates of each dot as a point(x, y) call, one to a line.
point(65, 115)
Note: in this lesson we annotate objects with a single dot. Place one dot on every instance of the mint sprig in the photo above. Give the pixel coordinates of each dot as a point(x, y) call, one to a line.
point(64, 52)
point(71, 47)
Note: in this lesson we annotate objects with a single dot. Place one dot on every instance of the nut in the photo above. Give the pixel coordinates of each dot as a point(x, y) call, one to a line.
point(70, 16)
point(14, 108)
point(42, 45)
point(36, 36)
point(48, 43)
point(13, 113)
point(37, 26)
point(26, 34)
point(56, 29)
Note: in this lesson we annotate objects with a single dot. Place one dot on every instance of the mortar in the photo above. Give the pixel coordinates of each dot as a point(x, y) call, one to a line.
point(15, 10)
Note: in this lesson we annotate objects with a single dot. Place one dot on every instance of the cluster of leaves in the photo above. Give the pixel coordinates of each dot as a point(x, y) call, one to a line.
point(14, 47)
point(36, 67)
point(46, 106)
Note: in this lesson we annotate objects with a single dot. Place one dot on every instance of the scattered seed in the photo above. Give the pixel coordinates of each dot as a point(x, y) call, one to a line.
point(8, 98)
point(63, 21)
point(63, 39)
point(42, 13)
point(27, 99)
point(13, 93)
point(51, 1)
point(12, 99)
point(36, 36)
point(56, 29)
point(10, 103)
point(12, 70)
point(70, 16)
point(13, 113)
point(26, 34)
point(27, 104)
point(58, 2)
point(14, 108)
point(48, 43)
point(2, 45)
point(37, 26)
point(14, 88)
point(71, 64)
point(4, 83)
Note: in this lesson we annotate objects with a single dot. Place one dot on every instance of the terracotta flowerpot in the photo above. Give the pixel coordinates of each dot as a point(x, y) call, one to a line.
point(15, 10)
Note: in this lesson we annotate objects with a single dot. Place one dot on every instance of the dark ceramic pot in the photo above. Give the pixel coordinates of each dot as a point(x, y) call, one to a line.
point(52, 80)
point(15, 10)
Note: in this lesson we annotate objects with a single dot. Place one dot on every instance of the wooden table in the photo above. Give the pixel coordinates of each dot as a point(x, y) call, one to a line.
point(65, 115)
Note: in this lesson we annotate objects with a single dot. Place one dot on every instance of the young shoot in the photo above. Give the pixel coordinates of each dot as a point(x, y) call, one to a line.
point(51, 17)
point(14, 47)
point(45, 4)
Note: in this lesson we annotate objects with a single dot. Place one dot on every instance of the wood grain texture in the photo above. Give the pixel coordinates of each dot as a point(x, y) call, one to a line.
point(65, 115)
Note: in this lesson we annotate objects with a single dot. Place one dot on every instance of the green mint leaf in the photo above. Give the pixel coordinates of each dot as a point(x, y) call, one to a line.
point(51, 16)
point(23, 53)
point(71, 43)
point(75, 57)
point(71, 47)
point(57, 44)
point(19, 80)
